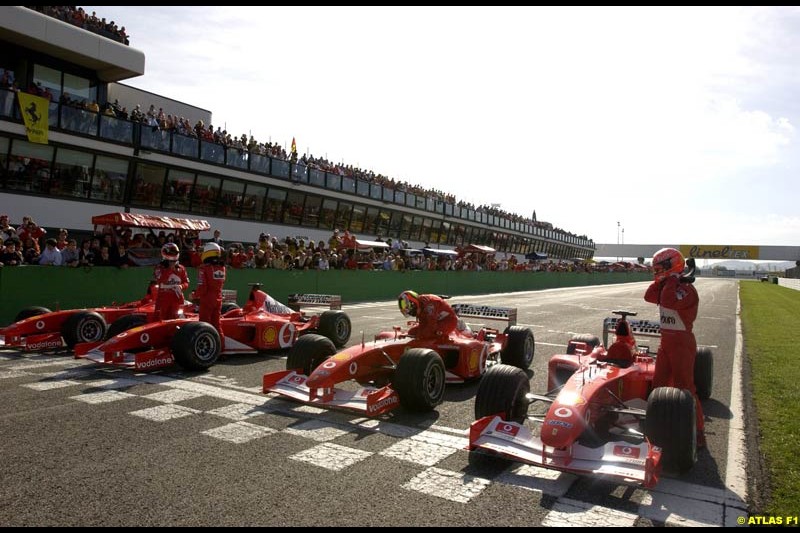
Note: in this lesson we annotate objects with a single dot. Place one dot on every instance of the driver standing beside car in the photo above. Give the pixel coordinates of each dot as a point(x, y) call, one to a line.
point(677, 303)
point(210, 279)
point(172, 280)
point(435, 317)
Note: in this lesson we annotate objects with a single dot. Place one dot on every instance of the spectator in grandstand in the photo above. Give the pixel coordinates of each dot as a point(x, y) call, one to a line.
point(172, 280)
point(10, 255)
point(677, 302)
point(70, 255)
point(86, 253)
point(33, 231)
point(435, 317)
point(103, 257)
point(30, 252)
point(51, 255)
point(218, 239)
point(334, 242)
point(61, 241)
point(120, 258)
point(323, 263)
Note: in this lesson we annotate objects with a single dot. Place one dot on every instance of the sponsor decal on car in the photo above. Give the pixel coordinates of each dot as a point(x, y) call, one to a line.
point(379, 405)
point(563, 412)
point(507, 429)
point(474, 357)
point(286, 335)
point(269, 335)
point(561, 423)
point(296, 379)
point(152, 363)
point(626, 451)
point(44, 344)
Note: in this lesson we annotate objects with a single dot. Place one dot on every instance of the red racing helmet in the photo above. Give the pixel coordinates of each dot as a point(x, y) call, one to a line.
point(170, 251)
point(667, 261)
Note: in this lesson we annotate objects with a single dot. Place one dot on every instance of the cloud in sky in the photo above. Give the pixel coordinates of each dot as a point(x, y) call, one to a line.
point(678, 122)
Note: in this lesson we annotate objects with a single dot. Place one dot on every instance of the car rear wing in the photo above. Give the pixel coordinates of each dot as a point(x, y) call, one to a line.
point(229, 295)
point(331, 301)
point(639, 328)
point(487, 312)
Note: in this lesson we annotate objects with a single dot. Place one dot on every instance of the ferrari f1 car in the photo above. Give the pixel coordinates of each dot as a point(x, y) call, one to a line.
point(264, 324)
point(398, 369)
point(604, 416)
point(39, 328)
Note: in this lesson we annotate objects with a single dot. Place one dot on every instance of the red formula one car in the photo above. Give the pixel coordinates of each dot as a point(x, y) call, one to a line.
point(396, 369)
point(604, 416)
point(38, 328)
point(264, 324)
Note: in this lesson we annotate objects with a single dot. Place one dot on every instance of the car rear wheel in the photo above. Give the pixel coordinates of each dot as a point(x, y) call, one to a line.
point(83, 326)
point(31, 311)
point(419, 379)
point(124, 323)
point(196, 345)
point(309, 352)
point(671, 424)
point(703, 373)
point(502, 391)
point(336, 326)
point(519, 347)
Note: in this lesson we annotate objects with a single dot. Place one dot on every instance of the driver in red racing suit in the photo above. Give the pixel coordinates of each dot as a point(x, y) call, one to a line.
point(172, 281)
point(210, 279)
point(677, 303)
point(436, 319)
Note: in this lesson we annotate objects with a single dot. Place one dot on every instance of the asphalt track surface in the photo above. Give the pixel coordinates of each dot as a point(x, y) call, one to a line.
point(89, 445)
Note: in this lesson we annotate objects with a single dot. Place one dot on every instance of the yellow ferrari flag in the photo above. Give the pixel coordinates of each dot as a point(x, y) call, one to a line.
point(294, 146)
point(35, 114)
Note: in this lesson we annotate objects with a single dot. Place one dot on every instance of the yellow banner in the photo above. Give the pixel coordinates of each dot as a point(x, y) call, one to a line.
point(719, 252)
point(35, 111)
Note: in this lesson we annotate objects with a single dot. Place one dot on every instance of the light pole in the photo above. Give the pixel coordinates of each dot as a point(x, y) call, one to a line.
point(623, 239)
point(617, 239)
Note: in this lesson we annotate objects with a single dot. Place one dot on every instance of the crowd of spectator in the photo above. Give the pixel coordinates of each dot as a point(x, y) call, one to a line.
point(28, 244)
point(78, 17)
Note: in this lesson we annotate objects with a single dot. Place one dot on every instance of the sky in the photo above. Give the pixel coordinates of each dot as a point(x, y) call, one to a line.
point(643, 125)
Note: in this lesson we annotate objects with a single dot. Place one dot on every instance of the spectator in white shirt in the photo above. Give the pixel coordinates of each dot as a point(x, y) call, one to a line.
point(51, 255)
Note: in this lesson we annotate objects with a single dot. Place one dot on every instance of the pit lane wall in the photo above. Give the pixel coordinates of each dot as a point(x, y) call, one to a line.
point(71, 288)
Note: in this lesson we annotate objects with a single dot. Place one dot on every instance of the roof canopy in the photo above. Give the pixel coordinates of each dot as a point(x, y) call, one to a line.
point(362, 244)
point(436, 251)
point(150, 221)
point(480, 248)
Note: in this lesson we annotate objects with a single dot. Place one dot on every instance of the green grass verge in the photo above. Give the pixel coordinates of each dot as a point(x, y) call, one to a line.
point(771, 328)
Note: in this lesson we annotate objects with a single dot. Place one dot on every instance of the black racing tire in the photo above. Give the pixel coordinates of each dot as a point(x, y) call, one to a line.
point(28, 312)
point(336, 326)
point(671, 424)
point(419, 380)
point(228, 306)
point(124, 323)
point(520, 347)
point(196, 345)
point(83, 326)
point(703, 373)
point(502, 391)
point(592, 340)
point(309, 352)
